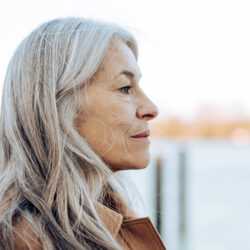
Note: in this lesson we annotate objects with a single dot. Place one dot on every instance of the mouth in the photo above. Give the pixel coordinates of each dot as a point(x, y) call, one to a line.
point(143, 137)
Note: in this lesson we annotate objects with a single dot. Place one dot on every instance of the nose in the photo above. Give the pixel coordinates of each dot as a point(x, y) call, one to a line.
point(146, 109)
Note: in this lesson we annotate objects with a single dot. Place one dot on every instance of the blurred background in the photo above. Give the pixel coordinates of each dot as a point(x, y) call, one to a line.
point(195, 59)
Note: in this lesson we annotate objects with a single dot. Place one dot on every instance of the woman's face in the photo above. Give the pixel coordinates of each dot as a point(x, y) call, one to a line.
point(115, 112)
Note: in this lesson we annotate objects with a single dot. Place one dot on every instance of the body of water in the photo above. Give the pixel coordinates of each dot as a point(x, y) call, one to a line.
point(217, 201)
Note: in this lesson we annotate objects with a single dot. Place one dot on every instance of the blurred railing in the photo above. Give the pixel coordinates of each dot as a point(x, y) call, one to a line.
point(182, 196)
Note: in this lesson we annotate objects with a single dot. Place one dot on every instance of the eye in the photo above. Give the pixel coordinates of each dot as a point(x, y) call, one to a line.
point(125, 89)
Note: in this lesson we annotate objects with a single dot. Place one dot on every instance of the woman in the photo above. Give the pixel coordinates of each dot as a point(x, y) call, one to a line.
point(72, 115)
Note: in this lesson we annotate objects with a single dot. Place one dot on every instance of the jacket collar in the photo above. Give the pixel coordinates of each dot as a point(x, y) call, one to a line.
point(111, 219)
point(114, 215)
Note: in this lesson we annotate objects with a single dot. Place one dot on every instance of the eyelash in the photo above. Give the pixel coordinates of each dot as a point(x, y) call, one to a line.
point(125, 89)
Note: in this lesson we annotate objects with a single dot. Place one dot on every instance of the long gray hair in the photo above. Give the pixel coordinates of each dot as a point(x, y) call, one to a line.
point(44, 161)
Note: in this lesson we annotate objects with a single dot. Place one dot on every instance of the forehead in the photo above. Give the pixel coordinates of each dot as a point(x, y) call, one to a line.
point(119, 58)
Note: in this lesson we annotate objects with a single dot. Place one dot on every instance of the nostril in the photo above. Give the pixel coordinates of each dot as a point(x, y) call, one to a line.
point(148, 116)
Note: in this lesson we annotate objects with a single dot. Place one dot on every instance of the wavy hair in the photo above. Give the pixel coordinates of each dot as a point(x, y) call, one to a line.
point(44, 161)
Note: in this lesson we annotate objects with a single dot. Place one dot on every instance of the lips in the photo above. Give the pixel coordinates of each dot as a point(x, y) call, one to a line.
point(145, 134)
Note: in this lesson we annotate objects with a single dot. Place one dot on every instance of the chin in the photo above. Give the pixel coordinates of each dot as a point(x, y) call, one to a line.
point(135, 164)
point(139, 159)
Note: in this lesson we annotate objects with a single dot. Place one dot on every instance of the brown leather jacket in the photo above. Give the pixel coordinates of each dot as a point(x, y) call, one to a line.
point(130, 232)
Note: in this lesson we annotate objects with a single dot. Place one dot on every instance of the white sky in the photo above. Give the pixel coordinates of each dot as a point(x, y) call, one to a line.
point(190, 52)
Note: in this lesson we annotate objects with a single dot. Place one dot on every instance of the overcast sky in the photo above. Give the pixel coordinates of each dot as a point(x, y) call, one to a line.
point(191, 52)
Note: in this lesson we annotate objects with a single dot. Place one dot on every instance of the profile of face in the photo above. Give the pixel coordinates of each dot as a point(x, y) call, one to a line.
point(115, 113)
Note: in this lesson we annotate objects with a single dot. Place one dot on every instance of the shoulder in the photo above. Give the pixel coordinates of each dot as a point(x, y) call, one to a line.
point(25, 237)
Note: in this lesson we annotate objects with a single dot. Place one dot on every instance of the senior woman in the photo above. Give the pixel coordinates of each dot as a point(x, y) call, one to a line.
point(73, 114)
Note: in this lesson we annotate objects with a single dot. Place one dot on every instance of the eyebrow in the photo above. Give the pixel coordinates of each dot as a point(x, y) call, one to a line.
point(129, 74)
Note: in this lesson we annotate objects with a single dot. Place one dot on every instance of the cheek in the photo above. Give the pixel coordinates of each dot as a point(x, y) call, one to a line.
point(118, 116)
point(122, 112)
point(106, 128)
point(97, 134)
